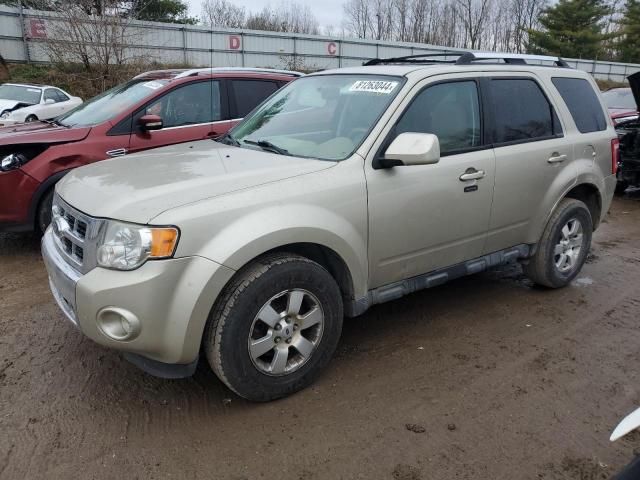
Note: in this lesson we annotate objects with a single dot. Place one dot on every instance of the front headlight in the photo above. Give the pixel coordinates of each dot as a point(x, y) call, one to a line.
point(12, 161)
point(5, 115)
point(126, 246)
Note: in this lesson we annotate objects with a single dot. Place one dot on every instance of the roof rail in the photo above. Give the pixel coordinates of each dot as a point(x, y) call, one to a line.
point(422, 58)
point(196, 71)
point(190, 72)
point(467, 58)
point(509, 58)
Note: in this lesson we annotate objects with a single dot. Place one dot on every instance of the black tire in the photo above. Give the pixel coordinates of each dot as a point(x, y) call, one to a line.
point(227, 334)
point(43, 214)
point(621, 186)
point(31, 118)
point(541, 268)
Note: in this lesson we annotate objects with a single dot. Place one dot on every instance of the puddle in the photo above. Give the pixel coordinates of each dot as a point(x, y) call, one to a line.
point(582, 281)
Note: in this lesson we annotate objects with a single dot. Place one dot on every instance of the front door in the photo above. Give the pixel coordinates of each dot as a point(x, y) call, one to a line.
point(422, 218)
point(190, 112)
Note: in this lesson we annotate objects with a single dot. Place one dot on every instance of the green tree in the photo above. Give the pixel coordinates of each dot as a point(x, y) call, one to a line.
point(172, 11)
point(629, 43)
point(571, 28)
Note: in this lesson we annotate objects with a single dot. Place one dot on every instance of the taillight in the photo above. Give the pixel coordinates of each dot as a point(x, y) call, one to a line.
point(615, 154)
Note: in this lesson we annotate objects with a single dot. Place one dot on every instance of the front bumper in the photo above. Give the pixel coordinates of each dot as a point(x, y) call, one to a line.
point(16, 193)
point(171, 299)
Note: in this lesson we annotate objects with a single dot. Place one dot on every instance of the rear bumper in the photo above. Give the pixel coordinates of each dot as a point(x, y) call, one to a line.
point(16, 192)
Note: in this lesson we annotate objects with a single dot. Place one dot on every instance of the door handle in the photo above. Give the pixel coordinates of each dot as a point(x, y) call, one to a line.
point(472, 174)
point(556, 158)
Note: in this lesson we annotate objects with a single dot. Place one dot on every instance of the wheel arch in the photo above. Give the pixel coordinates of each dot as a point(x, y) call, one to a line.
point(41, 192)
point(590, 195)
point(328, 258)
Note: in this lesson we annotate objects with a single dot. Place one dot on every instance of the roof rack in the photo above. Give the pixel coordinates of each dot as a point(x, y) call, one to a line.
point(190, 72)
point(509, 58)
point(420, 59)
point(467, 58)
point(197, 71)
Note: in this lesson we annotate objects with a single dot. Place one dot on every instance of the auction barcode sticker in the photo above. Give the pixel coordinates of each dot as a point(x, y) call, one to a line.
point(373, 86)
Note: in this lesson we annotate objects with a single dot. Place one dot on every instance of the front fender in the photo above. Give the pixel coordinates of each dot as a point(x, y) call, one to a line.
point(274, 227)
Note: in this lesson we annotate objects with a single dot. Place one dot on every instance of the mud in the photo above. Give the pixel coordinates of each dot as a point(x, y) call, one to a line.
point(487, 377)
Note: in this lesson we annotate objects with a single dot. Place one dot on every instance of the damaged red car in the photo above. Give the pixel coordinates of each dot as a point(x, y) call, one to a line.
point(154, 109)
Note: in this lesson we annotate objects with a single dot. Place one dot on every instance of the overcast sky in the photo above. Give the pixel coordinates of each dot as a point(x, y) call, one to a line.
point(328, 12)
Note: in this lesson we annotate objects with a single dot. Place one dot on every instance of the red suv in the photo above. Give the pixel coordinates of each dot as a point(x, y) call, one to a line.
point(154, 109)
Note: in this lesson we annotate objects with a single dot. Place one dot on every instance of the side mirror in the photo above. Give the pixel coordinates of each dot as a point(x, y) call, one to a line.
point(410, 149)
point(150, 122)
point(49, 101)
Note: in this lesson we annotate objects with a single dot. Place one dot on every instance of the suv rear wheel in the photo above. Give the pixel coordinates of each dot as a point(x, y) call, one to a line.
point(275, 327)
point(563, 247)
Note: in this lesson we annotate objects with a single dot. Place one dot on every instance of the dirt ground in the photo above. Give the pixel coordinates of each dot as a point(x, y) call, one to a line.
point(484, 378)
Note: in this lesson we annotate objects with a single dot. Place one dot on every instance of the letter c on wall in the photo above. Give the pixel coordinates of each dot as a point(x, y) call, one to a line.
point(332, 48)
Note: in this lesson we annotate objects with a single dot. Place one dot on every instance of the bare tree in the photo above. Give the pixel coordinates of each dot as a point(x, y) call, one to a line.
point(474, 15)
point(288, 17)
point(222, 13)
point(101, 44)
point(358, 17)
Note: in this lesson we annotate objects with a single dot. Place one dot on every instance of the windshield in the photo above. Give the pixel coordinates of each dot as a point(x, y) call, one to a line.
point(110, 103)
point(619, 98)
point(20, 94)
point(325, 116)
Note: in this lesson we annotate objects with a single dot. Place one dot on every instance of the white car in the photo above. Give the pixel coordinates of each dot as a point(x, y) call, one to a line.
point(29, 103)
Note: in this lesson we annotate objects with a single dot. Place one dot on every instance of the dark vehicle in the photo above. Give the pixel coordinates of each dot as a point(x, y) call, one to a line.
point(629, 134)
point(621, 104)
point(154, 109)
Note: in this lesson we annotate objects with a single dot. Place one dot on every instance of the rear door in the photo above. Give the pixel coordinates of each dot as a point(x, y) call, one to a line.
point(55, 106)
point(531, 154)
point(194, 111)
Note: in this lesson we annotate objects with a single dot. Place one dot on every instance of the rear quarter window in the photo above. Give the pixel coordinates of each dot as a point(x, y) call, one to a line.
point(582, 102)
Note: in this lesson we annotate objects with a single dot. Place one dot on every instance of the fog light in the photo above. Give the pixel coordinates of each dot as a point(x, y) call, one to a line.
point(118, 324)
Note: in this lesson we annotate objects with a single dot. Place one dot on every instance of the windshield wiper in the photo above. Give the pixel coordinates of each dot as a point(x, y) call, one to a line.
point(268, 146)
point(227, 139)
point(57, 122)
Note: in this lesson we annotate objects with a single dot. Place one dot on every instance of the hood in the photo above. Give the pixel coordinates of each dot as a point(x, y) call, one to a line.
point(8, 104)
point(41, 132)
point(137, 188)
point(634, 81)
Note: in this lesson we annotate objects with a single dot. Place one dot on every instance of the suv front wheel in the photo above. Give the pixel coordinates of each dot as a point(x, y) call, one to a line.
point(563, 247)
point(275, 327)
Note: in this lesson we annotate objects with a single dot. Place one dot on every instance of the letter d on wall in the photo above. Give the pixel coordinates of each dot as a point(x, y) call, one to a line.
point(234, 42)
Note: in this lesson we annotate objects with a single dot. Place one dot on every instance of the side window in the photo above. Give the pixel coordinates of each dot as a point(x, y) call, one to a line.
point(248, 94)
point(194, 103)
point(61, 96)
point(449, 110)
point(582, 102)
point(521, 111)
point(51, 94)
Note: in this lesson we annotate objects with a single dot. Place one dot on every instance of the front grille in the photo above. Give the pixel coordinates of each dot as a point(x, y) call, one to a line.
point(76, 235)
